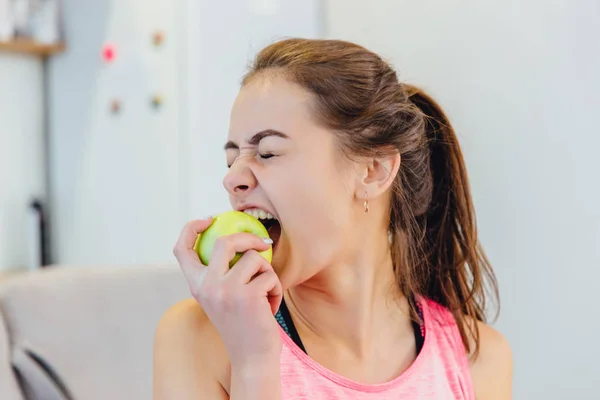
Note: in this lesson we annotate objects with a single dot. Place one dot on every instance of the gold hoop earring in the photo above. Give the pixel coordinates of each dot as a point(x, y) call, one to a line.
point(366, 203)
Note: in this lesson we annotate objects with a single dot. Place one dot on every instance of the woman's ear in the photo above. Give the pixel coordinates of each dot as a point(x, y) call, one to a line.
point(379, 174)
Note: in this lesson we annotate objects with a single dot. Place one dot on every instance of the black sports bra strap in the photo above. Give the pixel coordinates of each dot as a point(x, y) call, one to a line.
point(289, 324)
point(417, 328)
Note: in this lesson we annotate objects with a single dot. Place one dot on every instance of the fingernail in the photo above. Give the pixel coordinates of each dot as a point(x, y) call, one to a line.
point(268, 241)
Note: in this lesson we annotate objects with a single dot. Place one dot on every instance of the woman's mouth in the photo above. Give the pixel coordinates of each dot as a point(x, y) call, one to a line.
point(269, 221)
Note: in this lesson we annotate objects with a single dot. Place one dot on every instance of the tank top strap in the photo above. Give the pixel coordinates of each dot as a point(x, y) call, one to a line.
point(444, 336)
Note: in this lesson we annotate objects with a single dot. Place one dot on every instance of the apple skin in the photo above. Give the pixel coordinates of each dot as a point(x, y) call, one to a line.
point(228, 223)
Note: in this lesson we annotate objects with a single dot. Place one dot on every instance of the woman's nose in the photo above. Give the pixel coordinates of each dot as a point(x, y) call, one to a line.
point(239, 179)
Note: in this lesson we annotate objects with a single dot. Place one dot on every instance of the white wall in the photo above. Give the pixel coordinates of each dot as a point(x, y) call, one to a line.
point(115, 186)
point(21, 152)
point(520, 82)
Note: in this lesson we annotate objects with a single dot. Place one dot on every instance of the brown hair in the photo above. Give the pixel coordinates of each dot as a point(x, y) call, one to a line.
point(435, 249)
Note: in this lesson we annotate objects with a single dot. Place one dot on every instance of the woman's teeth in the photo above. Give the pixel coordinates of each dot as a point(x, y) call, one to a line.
point(259, 214)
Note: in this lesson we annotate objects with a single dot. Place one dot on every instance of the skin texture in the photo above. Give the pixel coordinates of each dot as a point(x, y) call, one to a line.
point(332, 260)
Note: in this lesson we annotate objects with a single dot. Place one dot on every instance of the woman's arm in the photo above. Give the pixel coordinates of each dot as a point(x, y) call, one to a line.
point(183, 348)
point(492, 370)
point(261, 382)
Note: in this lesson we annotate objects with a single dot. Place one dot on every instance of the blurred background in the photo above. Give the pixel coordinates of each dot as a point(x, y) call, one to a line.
point(112, 119)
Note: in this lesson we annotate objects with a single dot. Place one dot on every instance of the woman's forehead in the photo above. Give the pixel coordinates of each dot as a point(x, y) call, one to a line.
point(274, 104)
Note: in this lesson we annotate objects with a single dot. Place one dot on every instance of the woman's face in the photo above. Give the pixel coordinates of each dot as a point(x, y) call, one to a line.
point(284, 163)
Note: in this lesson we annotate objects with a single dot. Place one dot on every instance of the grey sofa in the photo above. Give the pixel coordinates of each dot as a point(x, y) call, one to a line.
point(83, 333)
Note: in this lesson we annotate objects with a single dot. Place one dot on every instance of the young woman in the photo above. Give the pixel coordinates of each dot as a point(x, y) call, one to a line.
point(378, 279)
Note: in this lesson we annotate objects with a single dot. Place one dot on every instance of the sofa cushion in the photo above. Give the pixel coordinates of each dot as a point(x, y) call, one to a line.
point(89, 330)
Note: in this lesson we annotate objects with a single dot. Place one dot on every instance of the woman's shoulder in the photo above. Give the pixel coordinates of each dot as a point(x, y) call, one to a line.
point(185, 314)
point(188, 351)
point(492, 367)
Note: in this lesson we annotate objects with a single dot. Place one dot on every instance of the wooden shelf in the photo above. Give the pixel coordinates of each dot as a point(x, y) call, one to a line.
point(25, 46)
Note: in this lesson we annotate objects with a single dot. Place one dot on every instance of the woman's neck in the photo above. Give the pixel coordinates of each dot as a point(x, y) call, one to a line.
point(353, 306)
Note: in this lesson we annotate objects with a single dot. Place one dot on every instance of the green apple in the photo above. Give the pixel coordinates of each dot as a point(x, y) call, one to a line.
point(228, 223)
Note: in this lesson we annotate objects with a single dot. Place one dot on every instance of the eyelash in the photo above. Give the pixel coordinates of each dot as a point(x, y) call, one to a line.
point(266, 156)
point(263, 156)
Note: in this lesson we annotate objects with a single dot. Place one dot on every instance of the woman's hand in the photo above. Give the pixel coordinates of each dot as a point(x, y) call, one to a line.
point(240, 301)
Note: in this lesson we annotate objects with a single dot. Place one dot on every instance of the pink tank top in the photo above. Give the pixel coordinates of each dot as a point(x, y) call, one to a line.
point(441, 370)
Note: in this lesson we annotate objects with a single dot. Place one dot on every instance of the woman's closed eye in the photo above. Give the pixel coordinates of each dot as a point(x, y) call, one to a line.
point(266, 155)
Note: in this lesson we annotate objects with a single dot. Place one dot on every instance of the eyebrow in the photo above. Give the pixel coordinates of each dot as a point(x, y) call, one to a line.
point(254, 140)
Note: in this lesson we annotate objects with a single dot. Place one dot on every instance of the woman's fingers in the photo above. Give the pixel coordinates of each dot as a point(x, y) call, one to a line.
point(226, 247)
point(268, 282)
point(207, 283)
point(248, 266)
point(184, 248)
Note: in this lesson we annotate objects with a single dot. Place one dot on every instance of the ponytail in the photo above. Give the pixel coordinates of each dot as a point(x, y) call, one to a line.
point(455, 266)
